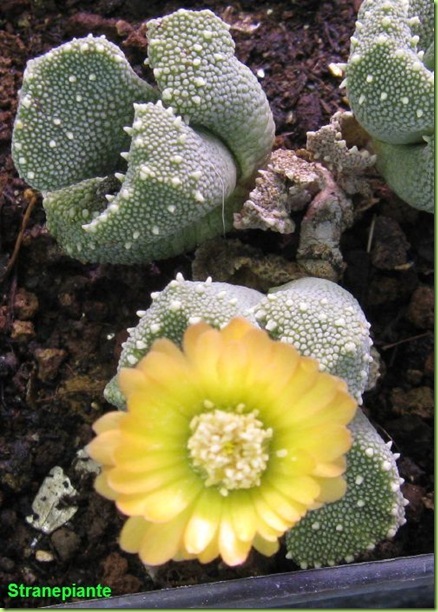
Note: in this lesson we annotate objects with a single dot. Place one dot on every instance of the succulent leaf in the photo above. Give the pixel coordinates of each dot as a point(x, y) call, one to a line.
point(409, 170)
point(74, 102)
point(180, 304)
point(371, 510)
point(85, 114)
point(192, 55)
point(389, 88)
point(324, 321)
point(166, 189)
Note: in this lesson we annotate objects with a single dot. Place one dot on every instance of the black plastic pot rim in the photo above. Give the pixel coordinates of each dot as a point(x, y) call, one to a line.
point(394, 583)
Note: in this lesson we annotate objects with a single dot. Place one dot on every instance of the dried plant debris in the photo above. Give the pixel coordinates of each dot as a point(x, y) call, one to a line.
point(50, 506)
point(289, 184)
point(340, 147)
point(229, 260)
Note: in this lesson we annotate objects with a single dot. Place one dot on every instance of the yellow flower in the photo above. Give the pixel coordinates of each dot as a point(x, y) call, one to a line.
point(225, 445)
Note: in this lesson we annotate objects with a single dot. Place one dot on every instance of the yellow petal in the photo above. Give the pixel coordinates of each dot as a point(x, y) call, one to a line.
point(211, 552)
point(330, 469)
point(326, 443)
point(137, 462)
point(332, 489)
point(233, 550)
point(232, 370)
point(110, 420)
point(166, 503)
point(265, 547)
point(166, 347)
point(203, 351)
point(311, 401)
point(203, 524)
point(296, 461)
point(243, 514)
point(102, 448)
point(289, 511)
point(302, 489)
point(132, 534)
point(127, 482)
point(192, 334)
point(131, 380)
point(146, 415)
point(161, 367)
point(162, 542)
point(151, 460)
point(236, 329)
point(303, 379)
point(102, 487)
point(267, 515)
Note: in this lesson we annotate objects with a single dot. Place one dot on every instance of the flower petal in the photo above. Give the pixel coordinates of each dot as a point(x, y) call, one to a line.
point(237, 329)
point(330, 469)
point(127, 482)
point(243, 514)
point(153, 460)
point(203, 524)
point(131, 380)
point(233, 550)
point(267, 515)
point(132, 534)
point(161, 543)
point(332, 489)
point(286, 508)
point(326, 442)
point(110, 420)
point(166, 503)
point(102, 448)
point(102, 487)
point(266, 547)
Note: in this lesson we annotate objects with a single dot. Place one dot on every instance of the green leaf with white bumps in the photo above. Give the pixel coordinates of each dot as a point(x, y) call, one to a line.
point(371, 510)
point(409, 170)
point(180, 304)
point(373, 507)
point(127, 180)
point(195, 67)
point(390, 87)
point(164, 202)
point(318, 317)
point(74, 102)
point(324, 321)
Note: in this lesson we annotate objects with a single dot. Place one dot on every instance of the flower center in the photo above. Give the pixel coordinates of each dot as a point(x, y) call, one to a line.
point(229, 448)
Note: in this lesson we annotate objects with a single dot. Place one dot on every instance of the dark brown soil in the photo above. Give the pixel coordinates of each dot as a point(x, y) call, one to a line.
point(62, 322)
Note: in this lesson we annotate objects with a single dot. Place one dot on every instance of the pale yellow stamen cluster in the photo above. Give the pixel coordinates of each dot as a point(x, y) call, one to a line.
point(229, 448)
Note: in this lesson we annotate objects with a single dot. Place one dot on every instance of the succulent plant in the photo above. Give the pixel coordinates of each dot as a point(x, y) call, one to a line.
point(390, 87)
point(371, 510)
point(124, 176)
point(323, 321)
point(320, 318)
